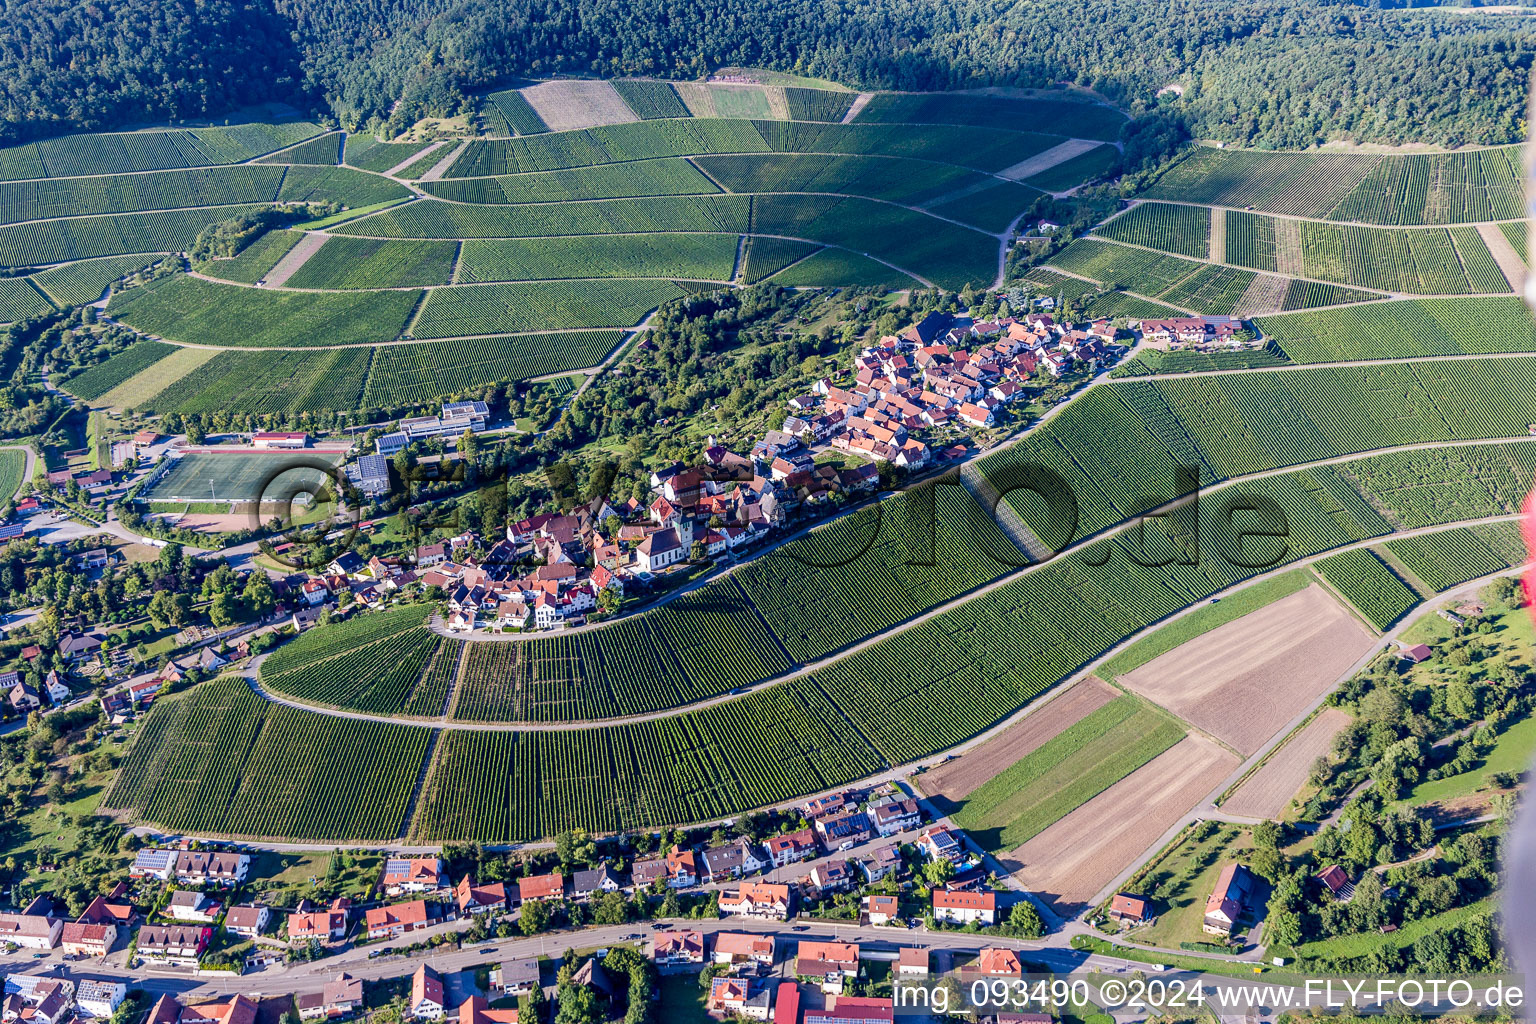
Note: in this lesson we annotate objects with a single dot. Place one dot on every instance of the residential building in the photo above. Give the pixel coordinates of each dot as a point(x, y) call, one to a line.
point(212, 867)
point(341, 997)
point(541, 887)
point(1000, 963)
point(792, 847)
point(765, 901)
point(328, 925)
point(173, 943)
point(427, 1001)
point(33, 928)
point(743, 947)
point(832, 876)
point(88, 939)
point(965, 907)
point(195, 907)
point(678, 950)
point(828, 963)
point(397, 919)
point(38, 1000)
point(1129, 908)
point(595, 881)
point(786, 1003)
point(1226, 903)
point(97, 997)
point(912, 962)
point(843, 829)
point(474, 1010)
point(940, 842)
point(682, 868)
point(248, 920)
point(414, 874)
point(854, 1010)
point(480, 899)
point(515, 977)
point(740, 998)
point(881, 909)
point(891, 816)
point(880, 863)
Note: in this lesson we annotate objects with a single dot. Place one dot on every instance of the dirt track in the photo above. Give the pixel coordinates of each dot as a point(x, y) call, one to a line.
point(1068, 863)
point(1242, 682)
point(958, 779)
point(1266, 792)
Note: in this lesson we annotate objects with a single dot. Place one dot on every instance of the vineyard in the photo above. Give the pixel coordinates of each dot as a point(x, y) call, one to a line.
point(190, 310)
point(1367, 583)
point(1434, 188)
point(220, 760)
point(105, 376)
point(13, 465)
point(255, 261)
point(1452, 557)
point(124, 153)
point(19, 300)
point(433, 219)
point(1185, 230)
point(767, 256)
point(56, 241)
point(1447, 485)
point(831, 267)
point(690, 257)
point(649, 99)
point(1059, 117)
point(669, 176)
point(536, 305)
point(76, 284)
point(894, 179)
point(817, 104)
point(992, 208)
point(351, 263)
point(1121, 266)
point(1403, 329)
point(369, 154)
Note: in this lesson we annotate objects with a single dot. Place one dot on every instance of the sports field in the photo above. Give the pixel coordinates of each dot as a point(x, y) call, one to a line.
point(242, 477)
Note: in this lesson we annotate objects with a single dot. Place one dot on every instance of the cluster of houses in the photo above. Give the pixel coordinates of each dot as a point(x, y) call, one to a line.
point(1198, 333)
point(942, 371)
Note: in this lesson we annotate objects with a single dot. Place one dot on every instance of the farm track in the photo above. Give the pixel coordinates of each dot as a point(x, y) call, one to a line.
point(1504, 254)
point(292, 260)
point(810, 668)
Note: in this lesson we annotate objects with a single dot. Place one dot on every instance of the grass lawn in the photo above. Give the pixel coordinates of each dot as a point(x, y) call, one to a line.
point(1511, 640)
point(682, 1000)
point(1362, 943)
point(1182, 880)
point(1207, 618)
point(1516, 747)
point(346, 215)
point(1064, 772)
point(294, 871)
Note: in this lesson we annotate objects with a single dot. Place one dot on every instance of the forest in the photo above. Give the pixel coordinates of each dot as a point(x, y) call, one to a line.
point(1246, 73)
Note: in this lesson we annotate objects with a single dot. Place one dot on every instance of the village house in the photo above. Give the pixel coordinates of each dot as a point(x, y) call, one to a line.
point(1129, 908)
point(515, 977)
point(541, 887)
point(593, 881)
point(832, 876)
point(940, 842)
point(415, 874)
point(152, 863)
point(880, 909)
point(342, 996)
point(912, 962)
point(395, 920)
point(890, 816)
point(98, 997)
point(765, 901)
point(673, 951)
point(475, 1010)
point(328, 925)
point(426, 1002)
point(88, 939)
point(733, 860)
point(965, 907)
point(481, 899)
point(880, 863)
point(212, 867)
point(828, 963)
point(1226, 903)
point(743, 947)
point(37, 1000)
point(999, 963)
point(740, 998)
point(247, 920)
point(173, 943)
point(792, 847)
point(187, 905)
point(34, 928)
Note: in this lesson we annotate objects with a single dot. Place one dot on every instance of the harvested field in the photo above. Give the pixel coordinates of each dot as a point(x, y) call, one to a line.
point(566, 105)
point(1067, 864)
point(1267, 792)
point(955, 781)
point(1050, 158)
point(1242, 682)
